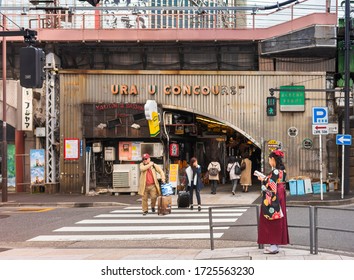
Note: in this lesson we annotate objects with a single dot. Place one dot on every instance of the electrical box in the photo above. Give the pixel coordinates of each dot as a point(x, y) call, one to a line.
point(97, 147)
point(40, 132)
point(109, 154)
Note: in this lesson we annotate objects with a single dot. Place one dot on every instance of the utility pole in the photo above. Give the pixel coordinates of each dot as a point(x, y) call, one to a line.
point(4, 124)
point(29, 37)
point(347, 44)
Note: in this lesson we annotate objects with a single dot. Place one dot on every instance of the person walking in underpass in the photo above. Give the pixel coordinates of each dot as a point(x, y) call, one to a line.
point(213, 169)
point(234, 170)
point(246, 177)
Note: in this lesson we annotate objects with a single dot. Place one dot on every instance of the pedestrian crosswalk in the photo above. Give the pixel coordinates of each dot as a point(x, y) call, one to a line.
point(129, 224)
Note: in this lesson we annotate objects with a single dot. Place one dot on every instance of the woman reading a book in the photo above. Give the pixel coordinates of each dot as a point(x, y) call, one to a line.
point(273, 229)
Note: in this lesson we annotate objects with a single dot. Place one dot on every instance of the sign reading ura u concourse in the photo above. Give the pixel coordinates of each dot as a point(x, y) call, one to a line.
point(184, 89)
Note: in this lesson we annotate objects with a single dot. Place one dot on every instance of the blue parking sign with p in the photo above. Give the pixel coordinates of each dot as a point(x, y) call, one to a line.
point(319, 115)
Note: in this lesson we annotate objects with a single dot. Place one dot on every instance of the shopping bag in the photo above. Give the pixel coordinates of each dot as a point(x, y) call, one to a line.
point(166, 189)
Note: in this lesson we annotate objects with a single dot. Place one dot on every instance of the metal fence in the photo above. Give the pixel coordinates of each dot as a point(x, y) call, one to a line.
point(111, 16)
point(317, 227)
point(312, 226)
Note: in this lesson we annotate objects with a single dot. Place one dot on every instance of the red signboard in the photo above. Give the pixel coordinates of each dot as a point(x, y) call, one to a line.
point(174, 150)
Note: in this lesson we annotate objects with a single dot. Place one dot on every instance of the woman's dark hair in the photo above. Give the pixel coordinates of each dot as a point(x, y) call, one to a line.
point(278, 156)
point(193, 160)
point(232, 159)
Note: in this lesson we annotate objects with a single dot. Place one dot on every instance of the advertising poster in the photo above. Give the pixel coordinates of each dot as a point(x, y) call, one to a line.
point(11, 170)
point(136, 154)
point(125, 150)
point(71, 148)
point(37, 162)
point(173, 175)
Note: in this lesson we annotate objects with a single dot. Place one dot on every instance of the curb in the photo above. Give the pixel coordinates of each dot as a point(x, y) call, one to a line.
point(321, 203)
point(63, 204)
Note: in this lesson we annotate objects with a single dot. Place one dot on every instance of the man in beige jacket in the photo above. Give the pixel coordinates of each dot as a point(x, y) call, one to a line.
point(148, 184)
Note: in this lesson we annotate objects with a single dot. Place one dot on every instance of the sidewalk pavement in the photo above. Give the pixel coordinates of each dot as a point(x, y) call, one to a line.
point(239, 253)
point(223, 197)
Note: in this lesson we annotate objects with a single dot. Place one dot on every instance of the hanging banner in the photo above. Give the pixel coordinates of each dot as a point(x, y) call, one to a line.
point(27, 111)
point(154, 125)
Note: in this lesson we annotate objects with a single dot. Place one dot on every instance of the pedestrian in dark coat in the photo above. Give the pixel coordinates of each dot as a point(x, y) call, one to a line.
point(194, 181)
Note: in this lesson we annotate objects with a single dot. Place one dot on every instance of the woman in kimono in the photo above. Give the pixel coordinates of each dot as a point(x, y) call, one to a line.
point(273, 229)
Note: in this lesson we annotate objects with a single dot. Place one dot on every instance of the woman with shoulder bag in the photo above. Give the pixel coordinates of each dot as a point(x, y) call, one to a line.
point(246, 177)
point(273, 224)
point(234, 170)
point(194, 181)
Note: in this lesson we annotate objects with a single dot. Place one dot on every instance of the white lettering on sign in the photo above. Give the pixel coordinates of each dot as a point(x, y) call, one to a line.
point(27, 109)
point(319, 115)
point(319, 129)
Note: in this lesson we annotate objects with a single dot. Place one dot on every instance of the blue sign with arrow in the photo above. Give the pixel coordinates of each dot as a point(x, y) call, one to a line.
point(343, 139)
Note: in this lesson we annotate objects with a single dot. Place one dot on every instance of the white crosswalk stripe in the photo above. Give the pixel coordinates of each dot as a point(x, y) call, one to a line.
point(130, 224)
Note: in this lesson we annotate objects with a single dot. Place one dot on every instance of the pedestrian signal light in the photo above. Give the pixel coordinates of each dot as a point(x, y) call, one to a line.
point(271, 106)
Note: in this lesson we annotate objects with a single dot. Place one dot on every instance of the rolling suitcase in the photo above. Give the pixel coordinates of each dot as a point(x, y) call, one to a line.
point(164, 204)
point(183, 199)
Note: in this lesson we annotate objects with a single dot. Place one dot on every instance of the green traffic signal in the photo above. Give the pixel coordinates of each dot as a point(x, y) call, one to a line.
point(271, 106)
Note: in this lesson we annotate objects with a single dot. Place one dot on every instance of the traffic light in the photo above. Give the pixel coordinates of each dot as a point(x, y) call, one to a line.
point(91, 2)
point(31, 67)
point(271, 106)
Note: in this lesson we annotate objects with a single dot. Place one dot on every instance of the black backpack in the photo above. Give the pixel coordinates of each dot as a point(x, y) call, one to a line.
point(237, 169)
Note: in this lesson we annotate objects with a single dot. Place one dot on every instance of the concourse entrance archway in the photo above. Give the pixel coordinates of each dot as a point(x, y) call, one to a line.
point(207, 139)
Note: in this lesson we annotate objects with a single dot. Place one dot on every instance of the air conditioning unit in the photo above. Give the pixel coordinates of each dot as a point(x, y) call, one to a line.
point(153, 149)
point(125, 178)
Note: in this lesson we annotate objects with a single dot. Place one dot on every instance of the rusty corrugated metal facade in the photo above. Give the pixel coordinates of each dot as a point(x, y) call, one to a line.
point(236, 98)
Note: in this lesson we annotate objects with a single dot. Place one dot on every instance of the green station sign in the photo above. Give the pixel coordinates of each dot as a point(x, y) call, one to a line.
point(292, 99)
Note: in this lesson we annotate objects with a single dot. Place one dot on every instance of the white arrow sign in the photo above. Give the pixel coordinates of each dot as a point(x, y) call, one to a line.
point(344, 139)
point(319, 129)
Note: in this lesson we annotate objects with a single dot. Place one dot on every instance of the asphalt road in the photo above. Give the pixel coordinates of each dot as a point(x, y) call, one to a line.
point(20, 225)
